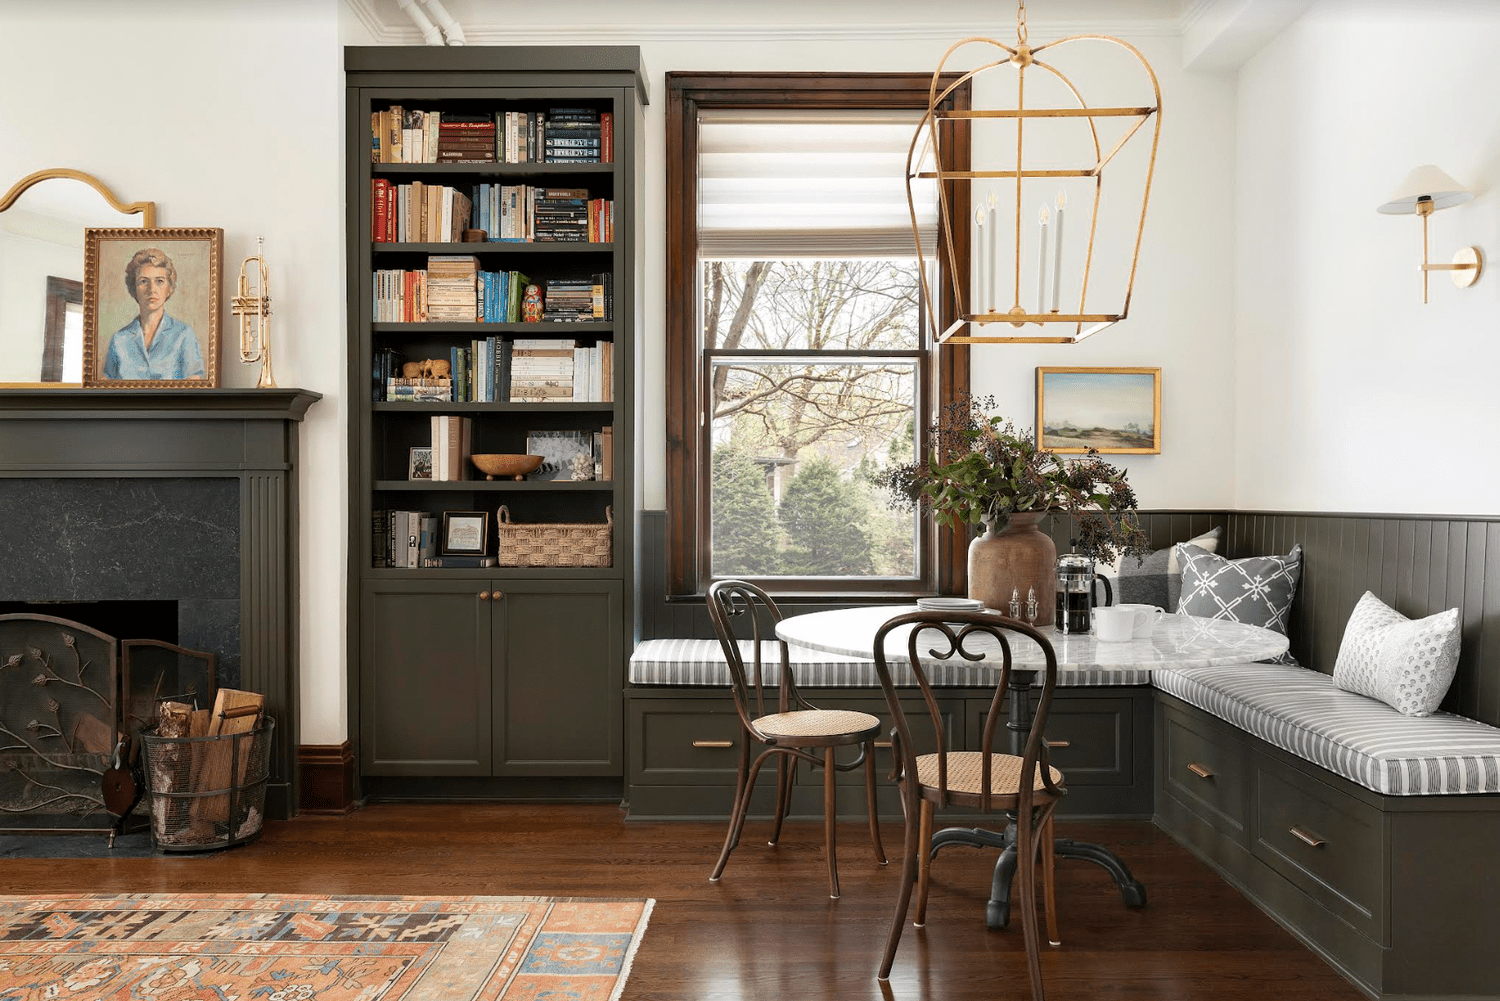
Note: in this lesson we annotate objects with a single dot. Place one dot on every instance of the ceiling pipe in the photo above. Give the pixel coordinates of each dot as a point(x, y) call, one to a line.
point(430, 33)
point(452, 31)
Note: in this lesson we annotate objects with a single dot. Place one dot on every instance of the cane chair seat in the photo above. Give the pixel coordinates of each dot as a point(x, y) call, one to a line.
point(966, 771)
point(828, 723)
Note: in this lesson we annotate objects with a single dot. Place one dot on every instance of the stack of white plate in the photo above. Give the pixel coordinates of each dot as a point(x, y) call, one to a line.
point(943, 604)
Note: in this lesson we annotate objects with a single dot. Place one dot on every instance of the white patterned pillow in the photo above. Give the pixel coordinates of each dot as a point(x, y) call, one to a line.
point(1258, 590)
point(1406, 663)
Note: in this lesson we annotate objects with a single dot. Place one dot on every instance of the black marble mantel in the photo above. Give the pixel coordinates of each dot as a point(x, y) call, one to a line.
point(247, 436)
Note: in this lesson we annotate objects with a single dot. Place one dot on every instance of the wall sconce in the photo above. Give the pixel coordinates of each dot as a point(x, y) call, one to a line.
point(1424, 191)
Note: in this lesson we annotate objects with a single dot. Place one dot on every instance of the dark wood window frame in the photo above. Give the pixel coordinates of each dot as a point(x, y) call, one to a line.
point(687, 94)
point(60, 292)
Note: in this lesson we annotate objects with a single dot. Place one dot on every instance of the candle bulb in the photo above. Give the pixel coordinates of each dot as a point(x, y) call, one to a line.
point(978, 292)
point(1041, 267)
point(991, 303)
point(1057, 226)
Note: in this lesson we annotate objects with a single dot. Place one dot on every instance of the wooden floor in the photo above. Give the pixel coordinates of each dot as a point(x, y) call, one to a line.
point(768, 929)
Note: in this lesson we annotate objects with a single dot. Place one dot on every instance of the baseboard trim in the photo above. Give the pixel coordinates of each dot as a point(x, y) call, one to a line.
point(327, 779)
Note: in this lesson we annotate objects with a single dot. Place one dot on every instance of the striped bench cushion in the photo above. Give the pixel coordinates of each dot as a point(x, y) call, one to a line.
point(1365, 741)
point(701, 662)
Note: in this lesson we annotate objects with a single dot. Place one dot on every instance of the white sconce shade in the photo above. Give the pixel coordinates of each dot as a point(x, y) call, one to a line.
point(1426, 182)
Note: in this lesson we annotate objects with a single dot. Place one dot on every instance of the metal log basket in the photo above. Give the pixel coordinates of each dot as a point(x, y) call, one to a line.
point(187, 818)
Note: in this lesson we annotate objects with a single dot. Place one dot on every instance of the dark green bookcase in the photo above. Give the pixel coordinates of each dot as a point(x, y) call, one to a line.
point(495, 681)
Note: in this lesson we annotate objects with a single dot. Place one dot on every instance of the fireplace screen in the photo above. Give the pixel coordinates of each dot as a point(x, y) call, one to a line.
point(59, 720)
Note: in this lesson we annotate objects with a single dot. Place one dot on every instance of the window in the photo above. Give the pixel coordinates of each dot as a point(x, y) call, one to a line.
point(799, 364)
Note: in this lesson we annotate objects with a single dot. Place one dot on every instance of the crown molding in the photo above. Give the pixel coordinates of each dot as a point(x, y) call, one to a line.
point(511, 33)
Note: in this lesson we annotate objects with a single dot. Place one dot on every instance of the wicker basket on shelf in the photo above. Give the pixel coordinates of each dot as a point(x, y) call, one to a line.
point(555, 545)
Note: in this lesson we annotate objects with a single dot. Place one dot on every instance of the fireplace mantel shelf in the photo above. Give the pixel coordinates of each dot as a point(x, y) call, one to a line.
point(159, 404)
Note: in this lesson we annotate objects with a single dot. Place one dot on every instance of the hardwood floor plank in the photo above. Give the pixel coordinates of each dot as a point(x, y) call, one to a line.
point(768, 929)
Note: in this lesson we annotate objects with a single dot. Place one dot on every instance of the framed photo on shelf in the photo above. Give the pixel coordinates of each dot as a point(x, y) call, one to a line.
point(465, 533)
point(151, 305)
point(1115, 410)
point(419, 465)
point(558, 450)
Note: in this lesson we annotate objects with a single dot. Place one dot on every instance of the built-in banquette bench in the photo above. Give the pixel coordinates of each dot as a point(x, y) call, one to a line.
point(1372, 836)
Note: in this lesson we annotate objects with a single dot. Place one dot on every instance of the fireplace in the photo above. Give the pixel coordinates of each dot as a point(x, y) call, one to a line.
point(183, 497)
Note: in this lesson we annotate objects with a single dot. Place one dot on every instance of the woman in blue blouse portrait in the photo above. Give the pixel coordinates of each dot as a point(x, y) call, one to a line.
point(155, 345)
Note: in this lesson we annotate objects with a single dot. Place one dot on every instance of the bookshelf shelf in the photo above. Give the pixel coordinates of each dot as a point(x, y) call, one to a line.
point(445, 676)
point(503, 486)
point(518, 170)
point(490, 247)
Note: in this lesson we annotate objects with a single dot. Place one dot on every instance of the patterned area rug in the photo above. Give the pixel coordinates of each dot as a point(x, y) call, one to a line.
point(267, 947)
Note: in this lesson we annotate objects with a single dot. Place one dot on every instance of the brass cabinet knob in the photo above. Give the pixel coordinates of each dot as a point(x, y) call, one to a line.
point(497, 595)
point(484, 596)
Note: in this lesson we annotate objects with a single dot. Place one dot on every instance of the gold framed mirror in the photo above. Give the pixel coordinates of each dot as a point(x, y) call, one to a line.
point(41, 272)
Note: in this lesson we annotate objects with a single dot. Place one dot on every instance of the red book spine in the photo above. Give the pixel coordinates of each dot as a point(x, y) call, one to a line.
point(377, 209)
point(607, 137)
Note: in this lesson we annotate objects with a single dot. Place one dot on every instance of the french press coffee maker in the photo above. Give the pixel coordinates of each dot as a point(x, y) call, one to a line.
point(1075, 593)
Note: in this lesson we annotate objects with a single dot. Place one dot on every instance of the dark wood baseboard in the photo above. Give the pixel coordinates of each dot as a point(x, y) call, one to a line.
point(327, 773)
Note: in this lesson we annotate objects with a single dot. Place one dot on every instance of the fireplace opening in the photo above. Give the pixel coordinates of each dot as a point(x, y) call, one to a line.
point(125, 620)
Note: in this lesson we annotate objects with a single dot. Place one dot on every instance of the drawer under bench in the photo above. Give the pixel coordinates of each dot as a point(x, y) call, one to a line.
point(1399, 893)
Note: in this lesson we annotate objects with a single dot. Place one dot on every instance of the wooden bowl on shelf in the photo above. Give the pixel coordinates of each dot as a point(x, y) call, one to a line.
point(515, 467)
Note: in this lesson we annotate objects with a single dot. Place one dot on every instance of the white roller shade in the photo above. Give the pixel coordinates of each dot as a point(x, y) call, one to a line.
point(808, 184)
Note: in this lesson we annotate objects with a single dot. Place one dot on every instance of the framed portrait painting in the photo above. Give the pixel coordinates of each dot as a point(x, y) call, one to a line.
point(1106, 409)
point(151, 305)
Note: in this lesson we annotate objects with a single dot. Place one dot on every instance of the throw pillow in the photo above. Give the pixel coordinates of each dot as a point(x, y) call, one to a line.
point(1258, 590)
point(1155, 580)
point(1406, 663)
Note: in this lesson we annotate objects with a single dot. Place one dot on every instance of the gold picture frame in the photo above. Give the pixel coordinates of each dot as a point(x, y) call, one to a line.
point(1104, 409)
point(181, 264)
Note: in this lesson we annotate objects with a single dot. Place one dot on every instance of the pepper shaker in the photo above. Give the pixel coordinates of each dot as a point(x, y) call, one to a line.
point(1015, 603)
point(1032, 607)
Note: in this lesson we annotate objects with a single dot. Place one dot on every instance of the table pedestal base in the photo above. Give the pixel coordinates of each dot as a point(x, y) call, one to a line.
point(997, 911)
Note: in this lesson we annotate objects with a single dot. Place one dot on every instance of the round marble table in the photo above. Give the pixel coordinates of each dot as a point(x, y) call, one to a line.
point(1177, 641)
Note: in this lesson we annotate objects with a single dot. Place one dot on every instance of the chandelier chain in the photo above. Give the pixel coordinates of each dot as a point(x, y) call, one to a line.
point(1021, 21)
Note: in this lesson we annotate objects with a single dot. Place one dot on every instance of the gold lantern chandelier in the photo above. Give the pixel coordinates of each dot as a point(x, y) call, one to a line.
point(981, 297)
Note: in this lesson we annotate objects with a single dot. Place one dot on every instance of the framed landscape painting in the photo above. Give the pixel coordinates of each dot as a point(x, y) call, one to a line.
point(151, 303)
point(1107, 409)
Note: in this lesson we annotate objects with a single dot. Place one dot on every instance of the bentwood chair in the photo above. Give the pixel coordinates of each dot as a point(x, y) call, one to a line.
point(791, 731)
point(983, 780)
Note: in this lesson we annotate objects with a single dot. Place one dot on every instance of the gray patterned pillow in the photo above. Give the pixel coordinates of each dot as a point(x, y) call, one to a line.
point(1258, 590)
point(1156, 579)
point(1406, 663)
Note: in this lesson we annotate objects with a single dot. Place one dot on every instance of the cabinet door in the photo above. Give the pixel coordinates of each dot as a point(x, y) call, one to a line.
point(558, 651)
point(425, 678)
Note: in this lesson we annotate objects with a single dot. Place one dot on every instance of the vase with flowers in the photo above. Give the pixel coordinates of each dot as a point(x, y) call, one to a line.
point(979, 471)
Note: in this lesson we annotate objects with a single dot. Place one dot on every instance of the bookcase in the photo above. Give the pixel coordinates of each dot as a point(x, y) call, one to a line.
point(506, 676)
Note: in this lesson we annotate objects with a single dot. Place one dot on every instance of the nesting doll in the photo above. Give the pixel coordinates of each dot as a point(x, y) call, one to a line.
point(531, 305)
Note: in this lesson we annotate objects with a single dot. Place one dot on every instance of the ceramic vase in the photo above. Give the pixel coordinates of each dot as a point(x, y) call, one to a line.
point(1015, 560)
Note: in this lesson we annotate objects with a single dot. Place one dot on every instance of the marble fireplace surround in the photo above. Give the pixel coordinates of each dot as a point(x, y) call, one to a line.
point(224, 466)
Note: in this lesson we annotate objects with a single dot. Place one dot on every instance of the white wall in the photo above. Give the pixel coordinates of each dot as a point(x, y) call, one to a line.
point(1353, 396)
point(224, 114)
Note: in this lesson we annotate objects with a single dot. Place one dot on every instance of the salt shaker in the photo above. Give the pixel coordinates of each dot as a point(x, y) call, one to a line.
point(1015, 603)
point(1031, 606)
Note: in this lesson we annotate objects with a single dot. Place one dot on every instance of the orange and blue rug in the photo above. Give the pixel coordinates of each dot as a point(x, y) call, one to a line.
point(271, 947)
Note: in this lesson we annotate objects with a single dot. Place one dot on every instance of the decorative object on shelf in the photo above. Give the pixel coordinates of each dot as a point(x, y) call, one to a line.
point(1425, 190)
point(558, 449)
point(465, 533)
point(583, 467)
point(40, 349)
point(531, 305)
point(427, 368)
point(556, 544)
point(1080, 142)
point(252, 304)
point(475, 236)
point(151, 305)
point(978, 469)
point(419, 464)
point(506, 466)
point(1114, 410)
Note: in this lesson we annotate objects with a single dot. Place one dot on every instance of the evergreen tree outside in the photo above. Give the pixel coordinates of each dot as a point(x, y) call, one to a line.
point(746, 537)
point(824, 519)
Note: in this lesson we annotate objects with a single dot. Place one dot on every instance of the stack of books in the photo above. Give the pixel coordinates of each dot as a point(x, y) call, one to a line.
point(572, 300)
point(452, 288)
point(466, 139)
point(418, 390)
point(561, 215)
point(541, 370)
point(578, 135)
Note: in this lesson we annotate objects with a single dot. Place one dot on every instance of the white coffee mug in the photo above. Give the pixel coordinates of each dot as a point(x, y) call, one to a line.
point(1115, 624)
point(1146, 625)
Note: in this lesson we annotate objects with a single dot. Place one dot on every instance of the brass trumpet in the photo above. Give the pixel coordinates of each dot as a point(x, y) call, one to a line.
point(253, 306)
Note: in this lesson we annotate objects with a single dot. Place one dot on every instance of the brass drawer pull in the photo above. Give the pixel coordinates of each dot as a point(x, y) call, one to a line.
point(713, 743)
point(1058, 743)
point(1312, 840)
point(1199, 770)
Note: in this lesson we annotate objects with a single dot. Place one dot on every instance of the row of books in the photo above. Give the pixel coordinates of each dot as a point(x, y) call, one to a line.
point(501, 370)
point(498, 297)
point(452, 444)
point(557, 135)
point(419, 212)
point(408, 540)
